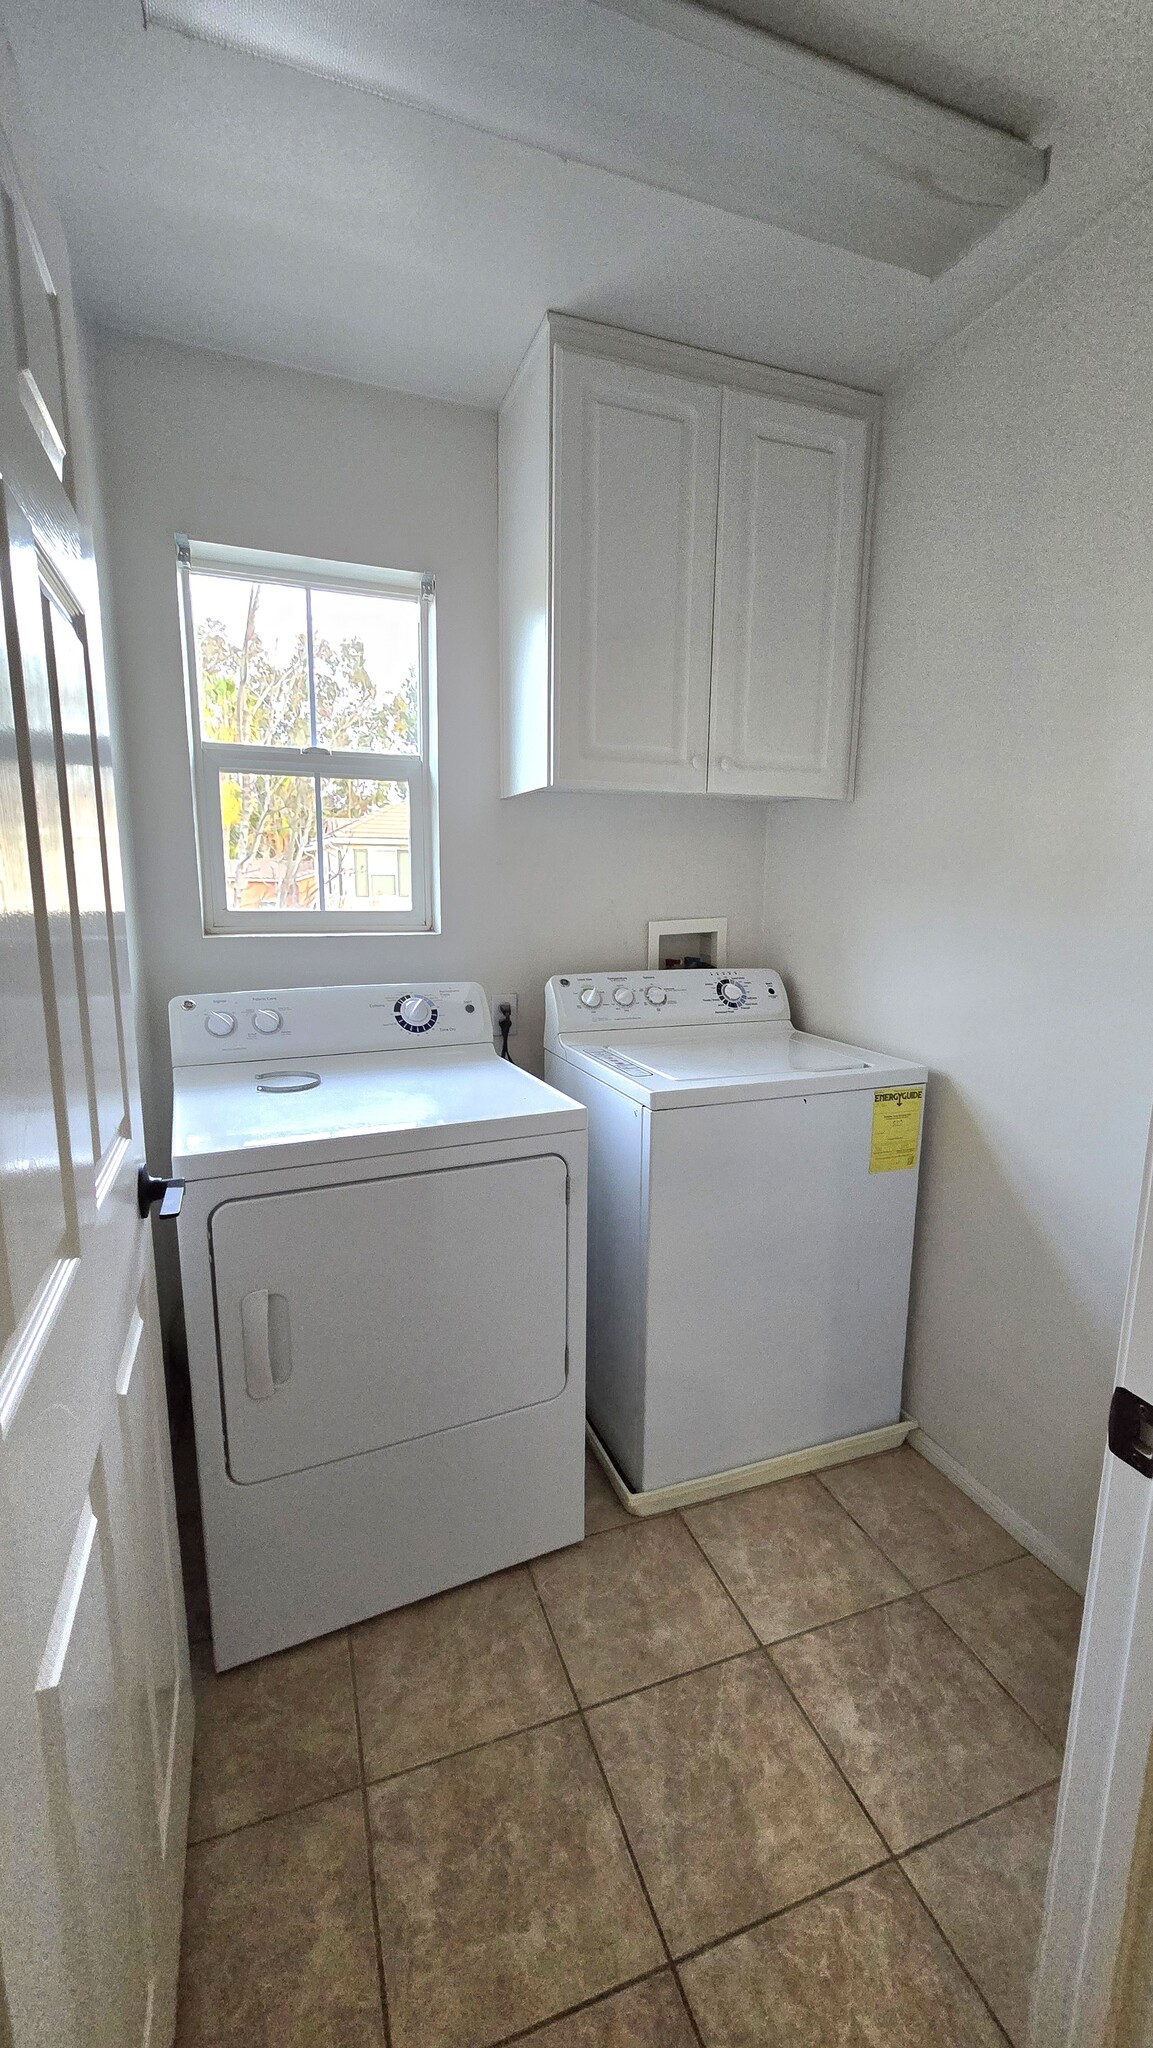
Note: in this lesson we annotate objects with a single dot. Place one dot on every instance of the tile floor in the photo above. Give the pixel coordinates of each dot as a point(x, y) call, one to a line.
point(778, 1771)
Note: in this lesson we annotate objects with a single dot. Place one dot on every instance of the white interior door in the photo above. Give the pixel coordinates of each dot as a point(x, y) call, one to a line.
point(790, 538)
point(94, 1699)
point(1096, 1955)
point(634, 539)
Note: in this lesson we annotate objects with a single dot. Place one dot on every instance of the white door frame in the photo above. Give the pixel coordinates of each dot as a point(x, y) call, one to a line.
point(1083, 1955)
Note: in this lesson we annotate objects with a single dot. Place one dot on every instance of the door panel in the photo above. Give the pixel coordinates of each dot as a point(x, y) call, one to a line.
point(333, 1342)
point(94, 1699)
point(633, 545)
point(789, 547)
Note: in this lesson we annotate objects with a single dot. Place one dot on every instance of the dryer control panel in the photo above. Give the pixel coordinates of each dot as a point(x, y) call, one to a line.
point(632, 997)
point(249, 1024)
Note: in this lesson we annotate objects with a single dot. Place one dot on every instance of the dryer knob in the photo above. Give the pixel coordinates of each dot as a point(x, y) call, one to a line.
point(625, 997)
point(221, 1023)
point(415, 1011)
point(266, 1020)
point(591, 998)
point(732, 993)
point(656, 996)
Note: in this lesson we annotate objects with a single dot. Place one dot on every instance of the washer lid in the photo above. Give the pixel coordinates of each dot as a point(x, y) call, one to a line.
point(694, 1064)
point(256, 1114)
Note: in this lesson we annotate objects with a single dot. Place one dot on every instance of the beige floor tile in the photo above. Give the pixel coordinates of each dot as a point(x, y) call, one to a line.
point(862, 1964)
point(272, 1735)
point(731, 1805)
point(648, 2015)
point(791, 1557)
point(925, 1524)
point(919, 1728)
point(447, 1673)
point(602, 1508)
point(636, 1605)
point(1025, 1624)
point(279, 1949)
point(986, 1887)
point(506, 1890)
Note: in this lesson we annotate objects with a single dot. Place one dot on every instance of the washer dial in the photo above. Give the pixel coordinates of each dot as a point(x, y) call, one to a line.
point(414, 1013)
point(624, 997)
point(591, 998)
point(266, 1020)
point(220, 1023)
point(732, 993)
point(657, 997)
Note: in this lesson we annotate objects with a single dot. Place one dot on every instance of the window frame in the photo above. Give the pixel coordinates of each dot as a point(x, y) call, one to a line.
point(212, 758)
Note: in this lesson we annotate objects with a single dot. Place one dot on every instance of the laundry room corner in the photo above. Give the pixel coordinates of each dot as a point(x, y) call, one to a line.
point(976, 903)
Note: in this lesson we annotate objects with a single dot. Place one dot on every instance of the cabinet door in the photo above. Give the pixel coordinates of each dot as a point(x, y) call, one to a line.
point(793, 488)
point(634, 540)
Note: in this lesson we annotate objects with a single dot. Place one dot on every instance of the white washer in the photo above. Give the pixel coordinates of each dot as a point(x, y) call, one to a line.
point(752, 1192)
point(382, 1249)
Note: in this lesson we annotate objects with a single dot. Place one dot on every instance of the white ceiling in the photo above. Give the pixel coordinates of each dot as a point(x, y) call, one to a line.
point(218, 198)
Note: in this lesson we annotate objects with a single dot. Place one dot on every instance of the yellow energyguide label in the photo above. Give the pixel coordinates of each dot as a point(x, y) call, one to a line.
point(896, 1129)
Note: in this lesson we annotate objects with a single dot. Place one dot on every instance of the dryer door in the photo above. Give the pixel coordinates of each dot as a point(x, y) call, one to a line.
point(363, 1315)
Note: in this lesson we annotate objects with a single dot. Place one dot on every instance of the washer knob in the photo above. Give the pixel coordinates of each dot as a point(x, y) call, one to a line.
point(656, 996)
point(415, 1011)
point(591, 998)
point(732, 993)
point(221, 1023)
point(266, 1020)
point(625, 997)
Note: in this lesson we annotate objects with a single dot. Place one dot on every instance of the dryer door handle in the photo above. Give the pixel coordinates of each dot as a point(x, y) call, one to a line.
point(265, 1334)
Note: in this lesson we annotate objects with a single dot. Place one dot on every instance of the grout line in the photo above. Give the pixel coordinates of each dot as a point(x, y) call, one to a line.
point(965, 1971)
point(583, 2005)
point(263, 1820)
point(613, 1699)
point(704, 1948)
point(809, 1723)
point(617, 1812)
point(958, 1826)
point(369, 1846)
point(449, 1756)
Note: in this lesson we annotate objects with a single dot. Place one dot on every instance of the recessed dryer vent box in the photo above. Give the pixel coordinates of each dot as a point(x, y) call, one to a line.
point(688, 942)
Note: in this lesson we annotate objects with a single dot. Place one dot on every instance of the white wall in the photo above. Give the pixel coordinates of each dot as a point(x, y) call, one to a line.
point(243, 452)
point(986, 903)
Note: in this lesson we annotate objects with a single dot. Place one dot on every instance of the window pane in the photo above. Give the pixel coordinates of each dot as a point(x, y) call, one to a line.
point(367, 845)
point(269, 825)
point(251, 661)
point(366, 652)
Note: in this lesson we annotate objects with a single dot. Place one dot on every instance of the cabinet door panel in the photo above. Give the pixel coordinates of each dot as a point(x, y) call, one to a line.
point(793, 489)
point(634, 539)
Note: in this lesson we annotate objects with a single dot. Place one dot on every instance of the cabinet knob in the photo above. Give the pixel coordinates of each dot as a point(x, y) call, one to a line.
point(696, 761)
point(725, 763)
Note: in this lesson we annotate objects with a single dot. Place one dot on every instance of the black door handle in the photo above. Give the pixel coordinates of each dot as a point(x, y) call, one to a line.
point(169, 1194)
point(1131, 1430)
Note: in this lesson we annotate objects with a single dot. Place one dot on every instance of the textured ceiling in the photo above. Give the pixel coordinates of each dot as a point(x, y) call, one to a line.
point(221, 199)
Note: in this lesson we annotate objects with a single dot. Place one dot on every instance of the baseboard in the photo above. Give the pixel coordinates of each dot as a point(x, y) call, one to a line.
point(659, 1499)
point(1031, 1538)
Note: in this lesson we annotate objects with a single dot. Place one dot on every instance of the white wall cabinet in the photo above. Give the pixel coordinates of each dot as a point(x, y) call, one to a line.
point(683, 541)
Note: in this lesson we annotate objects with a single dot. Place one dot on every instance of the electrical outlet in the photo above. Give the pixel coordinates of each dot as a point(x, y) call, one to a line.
point(497, 1001)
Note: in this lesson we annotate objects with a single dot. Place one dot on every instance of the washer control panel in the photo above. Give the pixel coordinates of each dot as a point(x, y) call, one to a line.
point(397, 1016)
point(633, 999)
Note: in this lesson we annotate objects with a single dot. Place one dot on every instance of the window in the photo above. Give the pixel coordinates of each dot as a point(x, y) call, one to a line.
point(311, 726)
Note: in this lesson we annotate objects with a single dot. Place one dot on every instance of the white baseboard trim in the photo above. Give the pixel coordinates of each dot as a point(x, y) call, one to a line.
point(1031, 1538)
point(659, 1499)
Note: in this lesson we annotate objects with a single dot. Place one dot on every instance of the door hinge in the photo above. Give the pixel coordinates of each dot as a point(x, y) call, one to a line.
point(1131, 1430)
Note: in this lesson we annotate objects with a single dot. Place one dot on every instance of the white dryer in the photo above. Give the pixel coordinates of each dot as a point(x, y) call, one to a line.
point(752, 1194)
point(383, 1257)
